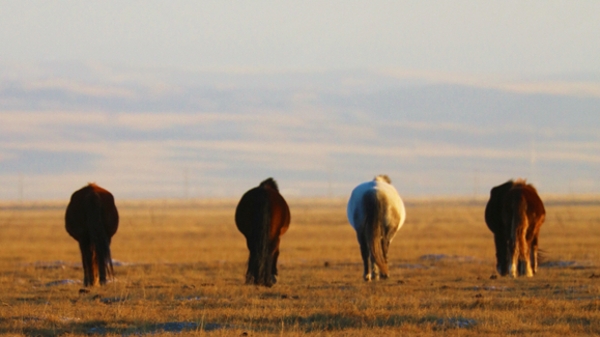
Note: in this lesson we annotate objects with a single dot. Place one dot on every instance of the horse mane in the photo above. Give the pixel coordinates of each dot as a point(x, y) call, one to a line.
point(96, 188)
point(270, 183)
point(523, 182)
point(383, 177)
point(520, 181)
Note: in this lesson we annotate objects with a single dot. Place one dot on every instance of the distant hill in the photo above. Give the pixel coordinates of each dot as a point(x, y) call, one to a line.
point(172, 133)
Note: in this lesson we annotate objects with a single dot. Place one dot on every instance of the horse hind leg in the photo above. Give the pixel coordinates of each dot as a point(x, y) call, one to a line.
point(519, 255)
point(512, 256)
point(524, 252)
point(87, 263)
point(374, 268)
point(365, 252)
point(95, 267)
point(518, 251)
point(274, 267)
point(501, 254)
point(102, 268)
point(521, 268)
point(267, 278)
point(385, 245)
point(525, 265)
point(534, 255)
point(251, 276)
point(528, 270)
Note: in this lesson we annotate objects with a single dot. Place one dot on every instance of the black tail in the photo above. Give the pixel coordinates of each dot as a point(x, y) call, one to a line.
point(260, 264)
point(375, 231)
point(102, 266)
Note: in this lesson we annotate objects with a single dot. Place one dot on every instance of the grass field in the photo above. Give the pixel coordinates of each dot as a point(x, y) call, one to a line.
point(180, 269)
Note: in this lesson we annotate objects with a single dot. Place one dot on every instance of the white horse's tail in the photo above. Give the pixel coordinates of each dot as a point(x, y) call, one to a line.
point(375, 231)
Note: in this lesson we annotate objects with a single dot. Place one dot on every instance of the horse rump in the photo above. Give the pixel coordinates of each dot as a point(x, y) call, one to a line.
point(255, 219)
point(376, 212)
point(262, 216)
point(92, 219)
point(514, 214)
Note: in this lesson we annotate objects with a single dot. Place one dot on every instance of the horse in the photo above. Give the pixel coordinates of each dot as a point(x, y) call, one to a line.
point(376, 212)
point(92, 219)
point(515, 214)
point(263, 216)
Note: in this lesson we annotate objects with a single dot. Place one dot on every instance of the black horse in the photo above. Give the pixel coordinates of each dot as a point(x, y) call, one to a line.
point(92, 219)
point(263, 216)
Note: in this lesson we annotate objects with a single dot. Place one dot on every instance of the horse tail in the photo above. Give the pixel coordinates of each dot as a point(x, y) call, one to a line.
point(375, 229)
point(262, 257)
point(98, 238)
point(518, 249)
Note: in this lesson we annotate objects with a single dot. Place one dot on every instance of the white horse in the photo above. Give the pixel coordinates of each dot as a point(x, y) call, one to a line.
point(376, 212)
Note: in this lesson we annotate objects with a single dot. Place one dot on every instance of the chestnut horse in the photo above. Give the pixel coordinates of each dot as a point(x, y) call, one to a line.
point(92, 219)
point(376, 212)
point(263, 216)
point(515, 214)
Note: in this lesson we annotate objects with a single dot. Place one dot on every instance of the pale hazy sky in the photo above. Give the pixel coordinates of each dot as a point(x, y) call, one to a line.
point(140, 97)
point(475, 37)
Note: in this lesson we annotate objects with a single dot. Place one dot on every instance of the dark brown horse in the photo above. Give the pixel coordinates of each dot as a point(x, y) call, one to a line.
point(263, 216)
point(515, 214)
point(92, 219)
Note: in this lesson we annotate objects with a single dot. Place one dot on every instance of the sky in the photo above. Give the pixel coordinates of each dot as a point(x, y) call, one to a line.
point(205, 99)
point(472, 37)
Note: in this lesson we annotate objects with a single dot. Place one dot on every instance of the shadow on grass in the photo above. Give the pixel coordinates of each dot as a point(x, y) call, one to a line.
point(312, 323)
point(338, 322)
point(102, 328)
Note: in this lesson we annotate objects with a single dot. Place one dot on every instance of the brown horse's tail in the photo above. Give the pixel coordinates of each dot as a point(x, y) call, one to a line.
point(518, 244)
point(102, 264)
point(375, 230)
point(260, 265)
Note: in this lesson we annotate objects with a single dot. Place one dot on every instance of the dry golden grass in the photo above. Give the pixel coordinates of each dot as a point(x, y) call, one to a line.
point(183, 265)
